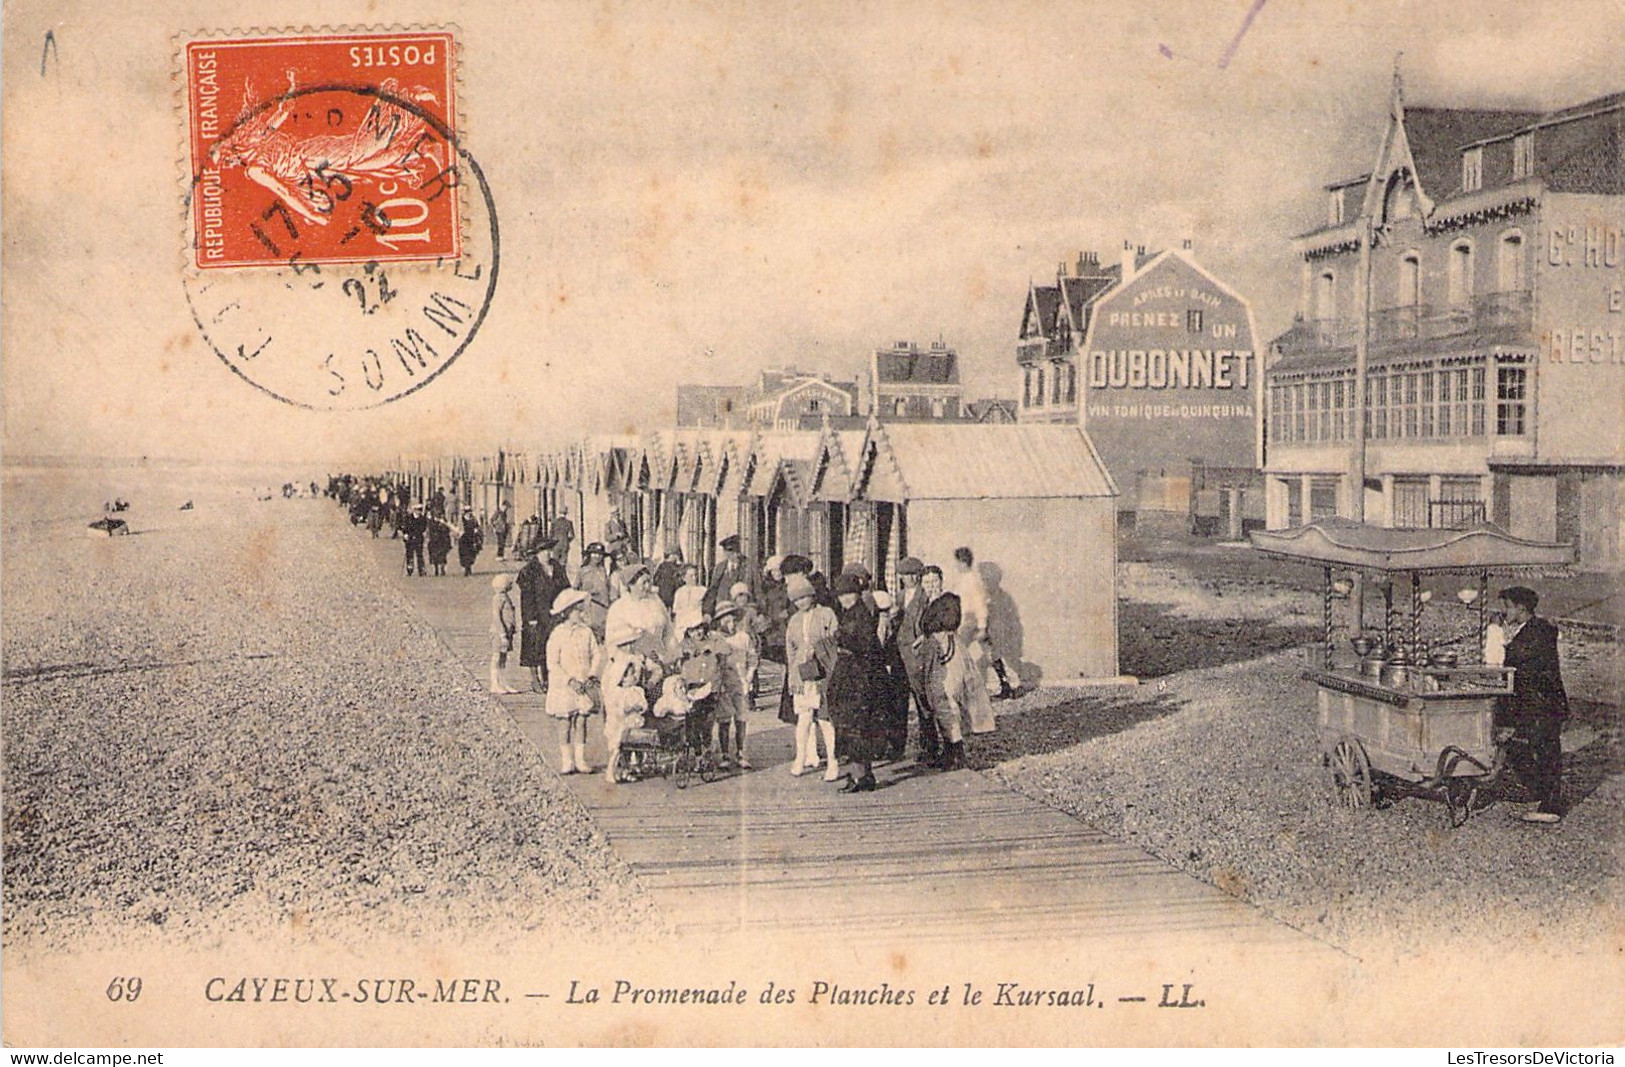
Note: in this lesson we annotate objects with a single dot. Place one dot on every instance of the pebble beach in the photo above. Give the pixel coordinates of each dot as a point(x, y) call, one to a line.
point(228, 722)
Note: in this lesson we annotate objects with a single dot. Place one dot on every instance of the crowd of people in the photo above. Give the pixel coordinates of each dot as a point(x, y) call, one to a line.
point(634, 639)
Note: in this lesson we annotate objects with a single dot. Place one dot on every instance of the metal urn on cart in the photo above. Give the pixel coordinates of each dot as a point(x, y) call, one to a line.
point(1394, 709)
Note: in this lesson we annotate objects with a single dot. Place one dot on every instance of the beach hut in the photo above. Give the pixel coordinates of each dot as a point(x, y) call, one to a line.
point(1035, 505)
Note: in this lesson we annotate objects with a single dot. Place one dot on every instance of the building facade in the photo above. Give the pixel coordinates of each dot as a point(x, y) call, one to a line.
point(1480, 265)
point(780, 399)
point(1156, 358)
point(907, 382)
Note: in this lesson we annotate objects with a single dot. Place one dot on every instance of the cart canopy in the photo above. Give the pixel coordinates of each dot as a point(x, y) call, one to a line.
point(1479, 549)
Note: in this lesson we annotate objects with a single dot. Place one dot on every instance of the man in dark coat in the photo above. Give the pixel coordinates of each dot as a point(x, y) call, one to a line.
point(733, 567)
point(414, 525)
point(1538, 703)
point(668, 576)
point(911, 601)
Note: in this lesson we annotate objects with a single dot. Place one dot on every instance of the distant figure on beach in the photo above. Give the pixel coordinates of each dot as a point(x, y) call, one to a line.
point(437, 504)
point(439, 543)
point(470, 540)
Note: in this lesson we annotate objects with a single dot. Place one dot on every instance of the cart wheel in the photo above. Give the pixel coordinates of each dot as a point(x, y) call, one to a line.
point(711, 768)
point(683, 770)
point(1351, 773)
point(1460, 795)
point(622, 767)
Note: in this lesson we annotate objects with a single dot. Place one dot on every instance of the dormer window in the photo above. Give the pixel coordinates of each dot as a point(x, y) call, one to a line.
point(1523, 156)
point(1472, 170)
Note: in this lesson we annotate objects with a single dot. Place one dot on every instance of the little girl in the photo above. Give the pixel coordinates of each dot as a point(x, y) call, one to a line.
point(624, 698)
point(753, 626)
point(573, 664)
point(504, 622)
point(728, 715)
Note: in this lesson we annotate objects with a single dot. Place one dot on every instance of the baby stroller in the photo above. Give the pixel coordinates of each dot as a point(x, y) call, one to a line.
point(675, 745)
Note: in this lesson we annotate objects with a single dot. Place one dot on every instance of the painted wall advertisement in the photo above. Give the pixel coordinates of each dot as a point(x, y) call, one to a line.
point(1171, 374)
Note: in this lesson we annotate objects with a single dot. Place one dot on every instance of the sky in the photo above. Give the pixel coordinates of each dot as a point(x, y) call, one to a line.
point(689, 192)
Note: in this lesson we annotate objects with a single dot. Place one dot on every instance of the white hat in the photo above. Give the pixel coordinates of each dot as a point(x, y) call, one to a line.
point(568, 599)
point(883, 599)
point(622, 633)
point(773, 564)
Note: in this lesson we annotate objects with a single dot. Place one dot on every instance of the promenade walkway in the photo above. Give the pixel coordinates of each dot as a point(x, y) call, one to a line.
point(936, 857)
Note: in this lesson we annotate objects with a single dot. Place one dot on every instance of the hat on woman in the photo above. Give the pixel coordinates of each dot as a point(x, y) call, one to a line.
point(621, 634)
point(724, 609)
point(910, 565)
point(883, 600)
point(794, 564)
point(797, 586)
point(568, 599)
point(848, 583)
point(632, 573)
point(772, 565)
point(593, 549)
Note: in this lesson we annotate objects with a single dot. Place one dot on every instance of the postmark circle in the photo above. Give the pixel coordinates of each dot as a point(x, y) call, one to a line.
point(327, 323)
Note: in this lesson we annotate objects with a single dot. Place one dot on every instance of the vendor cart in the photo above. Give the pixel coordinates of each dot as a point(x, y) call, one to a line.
point(1393, 707)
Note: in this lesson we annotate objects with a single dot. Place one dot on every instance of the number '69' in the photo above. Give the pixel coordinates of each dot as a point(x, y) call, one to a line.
point(124, 989)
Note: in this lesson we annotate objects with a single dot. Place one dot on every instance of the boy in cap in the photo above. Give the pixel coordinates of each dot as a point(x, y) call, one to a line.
point(735, 647)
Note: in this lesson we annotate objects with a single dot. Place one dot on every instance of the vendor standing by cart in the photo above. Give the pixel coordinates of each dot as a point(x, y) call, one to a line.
point(1538, 703)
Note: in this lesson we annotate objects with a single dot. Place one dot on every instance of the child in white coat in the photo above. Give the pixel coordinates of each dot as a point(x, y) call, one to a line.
point(504, 623)
point(574, 662)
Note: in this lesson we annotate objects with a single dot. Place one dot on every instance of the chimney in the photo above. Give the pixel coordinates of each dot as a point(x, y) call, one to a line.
point(1060, 270)
point(1186, 244)
point(1128, 260)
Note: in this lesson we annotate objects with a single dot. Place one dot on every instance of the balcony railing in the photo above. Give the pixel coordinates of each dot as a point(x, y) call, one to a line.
point(1420, 322)
point(1040, 348)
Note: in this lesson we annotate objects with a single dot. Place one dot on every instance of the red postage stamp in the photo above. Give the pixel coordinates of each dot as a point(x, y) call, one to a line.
point(323, 149)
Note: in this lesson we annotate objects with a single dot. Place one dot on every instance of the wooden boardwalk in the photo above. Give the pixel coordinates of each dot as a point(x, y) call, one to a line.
point(928, 857)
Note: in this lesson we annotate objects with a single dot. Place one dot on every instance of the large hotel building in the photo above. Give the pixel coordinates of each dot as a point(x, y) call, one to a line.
point(1481, 267)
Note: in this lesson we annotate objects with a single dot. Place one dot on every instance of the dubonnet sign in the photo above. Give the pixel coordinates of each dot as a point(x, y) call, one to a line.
point(1171, 373)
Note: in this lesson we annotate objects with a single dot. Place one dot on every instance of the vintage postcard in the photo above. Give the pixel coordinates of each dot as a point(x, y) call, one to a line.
point(813, 524)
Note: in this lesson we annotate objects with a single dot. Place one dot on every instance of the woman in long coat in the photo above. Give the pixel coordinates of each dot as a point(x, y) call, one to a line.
point(852, 684)
point(439, 543)
point(469, 542)
point(534, 606)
